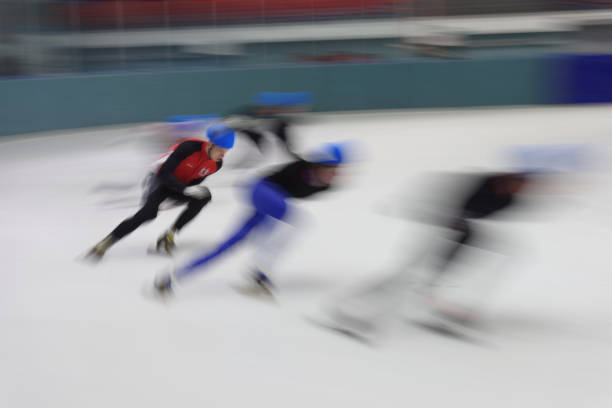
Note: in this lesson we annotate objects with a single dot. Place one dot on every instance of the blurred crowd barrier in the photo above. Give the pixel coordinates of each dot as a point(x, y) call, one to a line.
point(68, 64)
point(59, 36)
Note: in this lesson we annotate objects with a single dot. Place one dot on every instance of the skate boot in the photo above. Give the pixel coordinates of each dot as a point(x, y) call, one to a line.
point(261, 284)
point(262, 281)
point(258, 285)
point(163, 283)
point(96, 253)
point(165, 243)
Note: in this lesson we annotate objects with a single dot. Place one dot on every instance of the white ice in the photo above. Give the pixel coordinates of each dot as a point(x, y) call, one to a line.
point(76, 335)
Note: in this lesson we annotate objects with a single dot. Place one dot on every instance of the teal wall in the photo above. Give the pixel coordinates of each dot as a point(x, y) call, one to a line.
point(38, 104)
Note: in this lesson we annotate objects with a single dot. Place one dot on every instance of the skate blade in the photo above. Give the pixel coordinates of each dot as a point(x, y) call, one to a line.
point(443, 326)
point(89, 258)
point(345, 330)
point(442, 329)
point(256, 292)
point(152, 250)
point(149, 292)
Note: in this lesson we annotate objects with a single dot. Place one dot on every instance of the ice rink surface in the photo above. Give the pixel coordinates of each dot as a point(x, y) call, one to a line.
point(77, 335)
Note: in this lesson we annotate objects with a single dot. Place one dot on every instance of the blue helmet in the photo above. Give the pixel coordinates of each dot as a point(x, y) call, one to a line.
point(221, 135)
point(331, 154)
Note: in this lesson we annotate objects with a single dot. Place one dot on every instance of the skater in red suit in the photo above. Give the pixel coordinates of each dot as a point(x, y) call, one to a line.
point(178, 178)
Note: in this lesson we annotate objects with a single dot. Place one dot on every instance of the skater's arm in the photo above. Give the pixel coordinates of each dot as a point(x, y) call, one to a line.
point(183, 151)
point(281, 129)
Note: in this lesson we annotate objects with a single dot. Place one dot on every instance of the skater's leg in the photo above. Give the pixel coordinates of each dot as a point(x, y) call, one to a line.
point(463, 236)
point(238, 236)
point(267, 201)
point(194, 206)
point(272, 239)
point(147, 213)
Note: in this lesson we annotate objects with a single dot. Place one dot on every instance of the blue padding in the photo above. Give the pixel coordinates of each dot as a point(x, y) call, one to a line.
point(189, 118)
point(283, 98)
point(268, 199)
point(587, 79)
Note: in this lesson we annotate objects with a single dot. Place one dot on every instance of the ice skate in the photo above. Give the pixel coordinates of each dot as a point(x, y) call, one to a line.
point(258, 285)
point(96, 253)
point(164, 283)
point(165, 244)
point(353, 325)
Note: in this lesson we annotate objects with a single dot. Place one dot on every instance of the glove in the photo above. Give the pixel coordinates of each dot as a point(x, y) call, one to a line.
point(197, 192)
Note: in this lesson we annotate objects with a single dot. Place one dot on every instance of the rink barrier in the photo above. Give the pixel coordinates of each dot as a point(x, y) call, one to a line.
point(67, 102)
point(585, 79)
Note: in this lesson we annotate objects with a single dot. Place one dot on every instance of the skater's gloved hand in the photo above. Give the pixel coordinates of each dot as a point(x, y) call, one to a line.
point(198, 192)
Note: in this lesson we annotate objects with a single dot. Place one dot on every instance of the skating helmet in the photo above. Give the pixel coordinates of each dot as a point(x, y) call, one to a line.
point(331, 154)
point(221, 135)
